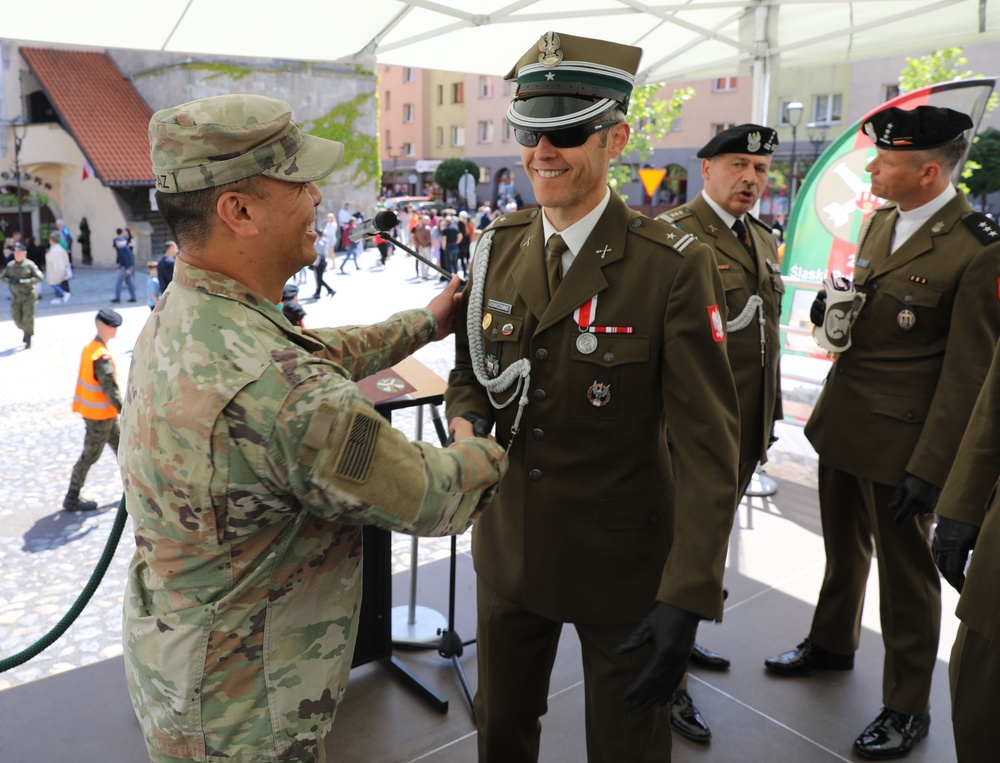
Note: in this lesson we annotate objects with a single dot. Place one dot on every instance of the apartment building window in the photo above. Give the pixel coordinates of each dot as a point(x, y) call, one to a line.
point(407, 112)
point(783, 112)
point(675, 126)
point(408, 75)
point(458, 135)
point(720, 127)
point(724, 85)
point(440, 94)
point(458, 92)
point(386, 102)
point(486, 131)
point(826, 109)
point(439, 137)
point(506, 131)
point(388, 139)
point(889, 92)
point(485, 87)
point(407, 149)
point(509, 86)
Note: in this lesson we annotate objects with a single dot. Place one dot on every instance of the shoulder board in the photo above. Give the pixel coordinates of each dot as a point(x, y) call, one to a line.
point(677, 213)
point(662, 232)
point(982, 227)
point(510, 219)
point(762, 224)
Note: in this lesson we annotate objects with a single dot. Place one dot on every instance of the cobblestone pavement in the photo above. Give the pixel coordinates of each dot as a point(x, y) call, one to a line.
point(48, 555)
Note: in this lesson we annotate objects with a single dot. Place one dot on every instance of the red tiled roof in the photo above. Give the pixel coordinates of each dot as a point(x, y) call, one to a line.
point(101, 109)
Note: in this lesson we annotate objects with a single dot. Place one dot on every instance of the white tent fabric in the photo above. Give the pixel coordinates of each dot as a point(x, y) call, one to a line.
point(681, 40)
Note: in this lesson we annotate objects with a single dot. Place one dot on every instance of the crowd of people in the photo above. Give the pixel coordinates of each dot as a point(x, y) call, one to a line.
point(616, 384)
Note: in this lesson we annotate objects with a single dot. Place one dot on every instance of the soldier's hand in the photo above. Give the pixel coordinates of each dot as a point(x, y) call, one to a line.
point(952, 543)
point(443, 306)
point(469, 424)
point(913, 496)
point(818, 310)
point(671, 631)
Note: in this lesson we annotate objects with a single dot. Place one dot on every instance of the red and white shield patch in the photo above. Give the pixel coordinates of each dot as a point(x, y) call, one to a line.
point(715, 318)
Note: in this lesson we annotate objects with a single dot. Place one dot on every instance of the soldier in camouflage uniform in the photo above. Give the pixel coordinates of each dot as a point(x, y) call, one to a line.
point(22, 275)
point(99, 401)
point(249, 458)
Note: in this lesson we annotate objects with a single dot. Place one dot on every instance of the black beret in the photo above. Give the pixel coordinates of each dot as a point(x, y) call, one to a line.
point(897, 129)
point(742, 139)
point(291, 291)
point(110, 317)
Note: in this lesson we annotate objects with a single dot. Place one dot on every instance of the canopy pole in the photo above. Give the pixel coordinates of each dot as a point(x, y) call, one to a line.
point(761, 73)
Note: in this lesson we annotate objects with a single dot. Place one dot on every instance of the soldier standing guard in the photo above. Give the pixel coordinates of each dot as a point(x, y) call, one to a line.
point(22, 275)
point(99, 401)
point(893, 410)
point(734, 166)
point(588, 331)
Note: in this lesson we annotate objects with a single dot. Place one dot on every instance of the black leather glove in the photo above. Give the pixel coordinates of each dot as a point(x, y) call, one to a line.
point(818, 310)
point(913, 496)
point(480, 426)
point(953, 540)
point(672, 632)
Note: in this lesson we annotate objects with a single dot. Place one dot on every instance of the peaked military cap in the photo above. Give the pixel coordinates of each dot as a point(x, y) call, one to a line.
point(564, 81)
point(896, 129)
point(109, 317)
point(218, 140)
point(742, 139)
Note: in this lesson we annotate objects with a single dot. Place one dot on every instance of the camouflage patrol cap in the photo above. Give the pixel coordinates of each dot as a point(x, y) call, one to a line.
point(564, 81)
point(742, 139)
point(225, 138)
point(896, 129)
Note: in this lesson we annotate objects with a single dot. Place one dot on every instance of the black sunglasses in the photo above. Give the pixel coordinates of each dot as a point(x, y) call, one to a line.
point(569, 137)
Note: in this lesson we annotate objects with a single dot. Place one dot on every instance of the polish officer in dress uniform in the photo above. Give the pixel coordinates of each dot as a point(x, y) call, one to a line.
point(969, 517)
point(734, 166)
point(589, 330)
point(894, 408)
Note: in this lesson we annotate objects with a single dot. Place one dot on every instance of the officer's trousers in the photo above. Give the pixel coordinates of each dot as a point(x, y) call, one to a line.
point(516, 651)
point(974, 670)
point(854, 514)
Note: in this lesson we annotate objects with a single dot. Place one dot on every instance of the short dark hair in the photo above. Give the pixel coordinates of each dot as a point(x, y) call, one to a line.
point(948, 155)
point(189, 215)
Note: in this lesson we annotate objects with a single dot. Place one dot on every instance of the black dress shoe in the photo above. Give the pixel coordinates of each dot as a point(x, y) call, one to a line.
point(685, 718)
point(706, 658)
point(806, 659)
point(891, 735)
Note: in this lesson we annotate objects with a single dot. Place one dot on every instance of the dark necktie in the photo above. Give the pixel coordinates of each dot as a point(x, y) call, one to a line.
point(554, 263)
point(743, 235)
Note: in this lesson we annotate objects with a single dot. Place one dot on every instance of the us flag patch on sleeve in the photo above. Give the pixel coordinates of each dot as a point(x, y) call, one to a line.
point(359, 450)
point(715, 318)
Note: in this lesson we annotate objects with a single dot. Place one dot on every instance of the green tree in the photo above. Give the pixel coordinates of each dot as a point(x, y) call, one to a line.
point(986, 153)
point(450, 171)
point(942, 66)
point(650, 115)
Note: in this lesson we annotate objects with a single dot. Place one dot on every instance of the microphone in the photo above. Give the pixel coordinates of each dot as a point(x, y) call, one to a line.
point(382, 222)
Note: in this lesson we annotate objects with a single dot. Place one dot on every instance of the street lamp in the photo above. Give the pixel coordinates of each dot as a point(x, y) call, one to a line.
point(395, 161)
point(817, 135)
point(20, 127)
point(793, 115)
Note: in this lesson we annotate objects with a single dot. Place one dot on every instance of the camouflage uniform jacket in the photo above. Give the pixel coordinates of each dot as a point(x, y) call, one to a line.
point(249, 466)
point(22, 276)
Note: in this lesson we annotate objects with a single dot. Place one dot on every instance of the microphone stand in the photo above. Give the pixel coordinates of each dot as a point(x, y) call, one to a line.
point(405, 248)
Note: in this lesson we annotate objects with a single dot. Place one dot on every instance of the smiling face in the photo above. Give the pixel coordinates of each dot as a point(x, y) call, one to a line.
point(288, 223)
point(735, 181)
point(570, 182)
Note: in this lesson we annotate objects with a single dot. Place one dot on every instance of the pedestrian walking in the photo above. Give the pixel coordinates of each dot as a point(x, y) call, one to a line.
point(57, 269)
point(21, 274)
point(124, 265)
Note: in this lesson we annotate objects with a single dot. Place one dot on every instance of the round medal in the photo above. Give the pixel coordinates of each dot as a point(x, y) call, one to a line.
point(906, 319)
point(586, 343)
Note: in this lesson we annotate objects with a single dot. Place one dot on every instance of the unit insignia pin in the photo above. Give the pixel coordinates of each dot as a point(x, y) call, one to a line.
point(599, 394)
point(906, 319)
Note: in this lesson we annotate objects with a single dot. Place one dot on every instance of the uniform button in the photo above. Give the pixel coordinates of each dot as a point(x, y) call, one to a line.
point(542, 354)
point(538, 434)
point(539, 394)
point(908, 298)
point(909, 415)
point(840, 371)
point(653, 521)
point(535, 474)
point(767, 364)
point(608, 357)
point(874, 287)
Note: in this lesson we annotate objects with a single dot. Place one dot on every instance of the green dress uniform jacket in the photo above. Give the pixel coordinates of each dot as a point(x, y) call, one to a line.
point(580, 528)
point(899, 399)
point(971, 496)
point(249, 466)
point(755, 359)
